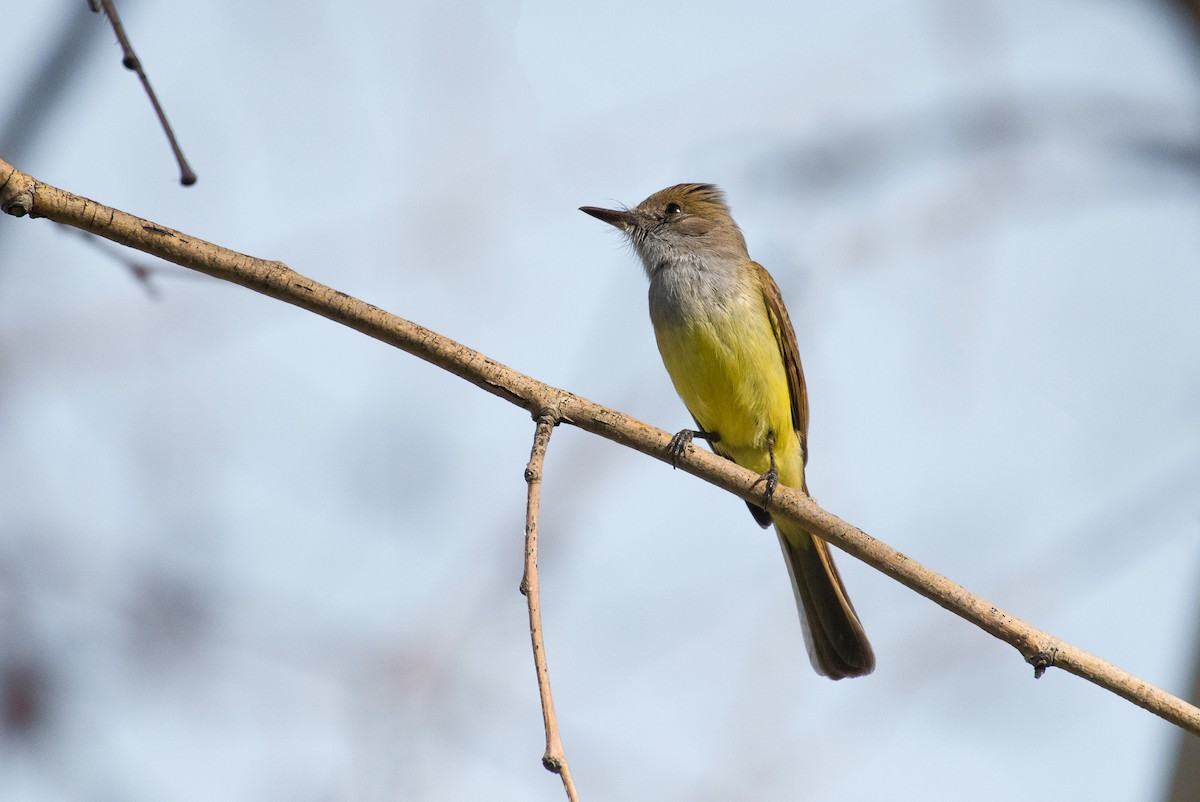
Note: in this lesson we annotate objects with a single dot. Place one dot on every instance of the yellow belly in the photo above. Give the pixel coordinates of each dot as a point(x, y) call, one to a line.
point(728, 369)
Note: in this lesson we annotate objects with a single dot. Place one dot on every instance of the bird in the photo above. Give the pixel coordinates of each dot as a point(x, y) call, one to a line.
point(729, 347)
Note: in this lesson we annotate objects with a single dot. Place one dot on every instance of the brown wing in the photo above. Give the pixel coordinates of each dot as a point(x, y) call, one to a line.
point(786, 337)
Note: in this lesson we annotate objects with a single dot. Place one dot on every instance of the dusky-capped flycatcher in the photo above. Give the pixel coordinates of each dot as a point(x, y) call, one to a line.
point(729, 347)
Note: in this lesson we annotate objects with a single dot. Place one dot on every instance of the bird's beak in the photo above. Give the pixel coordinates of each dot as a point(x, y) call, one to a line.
point(622, 220)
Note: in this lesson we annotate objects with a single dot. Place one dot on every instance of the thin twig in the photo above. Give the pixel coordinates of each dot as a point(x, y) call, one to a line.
point(132, 62)
point(20, 194)
point(554, 759)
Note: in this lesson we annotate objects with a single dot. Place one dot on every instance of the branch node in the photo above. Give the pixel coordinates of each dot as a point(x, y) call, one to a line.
point(19, 203)
point(550, 410)
point(16, 192)
point(1042, 659)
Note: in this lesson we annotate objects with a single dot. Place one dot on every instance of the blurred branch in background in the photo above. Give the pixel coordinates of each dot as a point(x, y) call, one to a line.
point(973, 127)
point(29, 685)
point(1191, 8)
point(46, 85)
point(1185, 778)
point(141, 271)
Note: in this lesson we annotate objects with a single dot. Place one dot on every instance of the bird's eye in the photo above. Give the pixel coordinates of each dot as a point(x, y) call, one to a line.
point(673, 209)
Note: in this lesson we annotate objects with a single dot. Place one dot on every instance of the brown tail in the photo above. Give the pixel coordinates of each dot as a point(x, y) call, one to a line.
point(837, 644)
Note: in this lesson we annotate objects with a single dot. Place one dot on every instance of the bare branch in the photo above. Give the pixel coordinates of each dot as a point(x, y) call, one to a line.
point(20, 194)
point(554, 759)
point(132, 62)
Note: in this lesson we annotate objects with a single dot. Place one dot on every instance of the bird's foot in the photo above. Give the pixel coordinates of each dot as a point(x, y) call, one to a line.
point(769, 481)
point(682, 440)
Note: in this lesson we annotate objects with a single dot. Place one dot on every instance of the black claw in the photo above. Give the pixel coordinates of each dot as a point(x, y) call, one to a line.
point(770, 479)
point(680, 442)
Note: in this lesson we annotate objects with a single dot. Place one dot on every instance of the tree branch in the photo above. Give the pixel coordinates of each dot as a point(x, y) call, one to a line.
point(20, 194)
point(128, 58)
point(554, 759)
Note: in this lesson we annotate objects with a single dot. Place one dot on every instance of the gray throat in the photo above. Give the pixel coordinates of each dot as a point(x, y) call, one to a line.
point(690, 288)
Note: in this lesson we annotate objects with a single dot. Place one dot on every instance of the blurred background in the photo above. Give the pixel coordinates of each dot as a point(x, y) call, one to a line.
point(246, 554)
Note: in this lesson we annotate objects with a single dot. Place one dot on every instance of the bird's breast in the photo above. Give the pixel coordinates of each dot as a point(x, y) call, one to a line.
point(723, 357)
